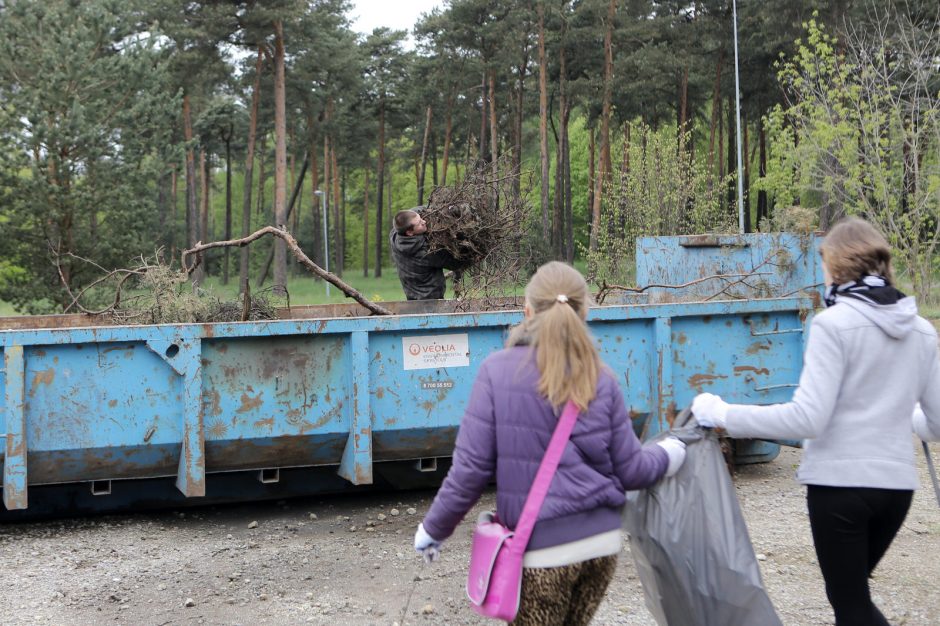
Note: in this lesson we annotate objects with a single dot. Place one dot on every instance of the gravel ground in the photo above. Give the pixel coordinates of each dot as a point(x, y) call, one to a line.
point(348, 560)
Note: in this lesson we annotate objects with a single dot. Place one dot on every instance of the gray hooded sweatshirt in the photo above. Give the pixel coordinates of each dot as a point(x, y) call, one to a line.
point(865, 367)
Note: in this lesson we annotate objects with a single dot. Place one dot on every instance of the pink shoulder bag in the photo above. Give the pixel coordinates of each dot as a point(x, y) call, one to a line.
point(494, 583)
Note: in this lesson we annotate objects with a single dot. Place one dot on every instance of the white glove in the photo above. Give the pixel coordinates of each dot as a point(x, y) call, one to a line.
point(676, 451)
point(710, 410)
point(426, 545)
point(921, 428)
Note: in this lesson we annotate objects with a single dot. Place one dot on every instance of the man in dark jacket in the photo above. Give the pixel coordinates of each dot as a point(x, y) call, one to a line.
point(421, 272)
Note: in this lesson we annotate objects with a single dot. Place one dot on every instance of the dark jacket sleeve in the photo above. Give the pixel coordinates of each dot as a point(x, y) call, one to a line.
point(637, 466)
point(474, 464)
point(444, 259)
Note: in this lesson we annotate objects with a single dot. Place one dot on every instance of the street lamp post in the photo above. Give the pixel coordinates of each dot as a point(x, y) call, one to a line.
point(326, 242)
point(737, 118)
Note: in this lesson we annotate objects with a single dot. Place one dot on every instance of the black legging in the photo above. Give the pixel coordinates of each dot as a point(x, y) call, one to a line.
point(852, 529)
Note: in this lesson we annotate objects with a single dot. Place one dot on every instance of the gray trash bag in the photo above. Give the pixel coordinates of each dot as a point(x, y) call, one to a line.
point(690, 543)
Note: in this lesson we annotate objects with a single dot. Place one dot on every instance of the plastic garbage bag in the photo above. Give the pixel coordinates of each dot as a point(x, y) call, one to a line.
point(691, 546)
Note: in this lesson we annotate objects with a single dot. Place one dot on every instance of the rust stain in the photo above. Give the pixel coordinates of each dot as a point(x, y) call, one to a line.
point(222, 348)
point(748, 368)
point(380, 392)
point(757, 346)
point(700, 379)
point(391, 421)
point(681, 339)
point(113, 348)
point(112, 403)
point(42, 377)
point(39, 353)
point(211, 399)
point(249, 403)
point(208, 330)
point(265, 423)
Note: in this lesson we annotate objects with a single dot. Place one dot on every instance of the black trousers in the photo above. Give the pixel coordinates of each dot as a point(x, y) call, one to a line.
point(852, 529)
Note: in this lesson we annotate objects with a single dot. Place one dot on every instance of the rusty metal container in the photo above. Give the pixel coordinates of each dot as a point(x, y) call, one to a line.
point(331, 398)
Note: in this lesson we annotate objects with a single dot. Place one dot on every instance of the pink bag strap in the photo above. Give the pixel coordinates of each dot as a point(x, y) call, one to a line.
point(543, 478)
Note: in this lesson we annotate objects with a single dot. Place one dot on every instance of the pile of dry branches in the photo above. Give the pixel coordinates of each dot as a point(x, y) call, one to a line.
point(154, 292)
point(482, 222)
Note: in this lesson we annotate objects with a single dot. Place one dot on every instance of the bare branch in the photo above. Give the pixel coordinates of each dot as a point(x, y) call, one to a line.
point(197, 250)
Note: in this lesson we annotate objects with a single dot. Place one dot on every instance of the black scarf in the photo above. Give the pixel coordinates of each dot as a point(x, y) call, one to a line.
point(871, 288)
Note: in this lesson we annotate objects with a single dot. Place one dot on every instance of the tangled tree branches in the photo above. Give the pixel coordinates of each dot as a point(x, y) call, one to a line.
point(162, 294)
point(483, 222)
point(153, 292)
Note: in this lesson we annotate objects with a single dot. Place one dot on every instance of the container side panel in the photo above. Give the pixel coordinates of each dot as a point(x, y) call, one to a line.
point(275, 401)
point(420, 383)
point(627, 347)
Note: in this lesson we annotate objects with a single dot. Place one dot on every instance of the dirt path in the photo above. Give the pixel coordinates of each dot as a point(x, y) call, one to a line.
point(272, 563)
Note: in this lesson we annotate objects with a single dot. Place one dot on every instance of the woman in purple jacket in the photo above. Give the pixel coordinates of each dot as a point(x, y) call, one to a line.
point(512, 412)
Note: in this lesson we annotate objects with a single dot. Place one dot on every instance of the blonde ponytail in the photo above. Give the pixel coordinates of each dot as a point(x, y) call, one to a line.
point(568, 362)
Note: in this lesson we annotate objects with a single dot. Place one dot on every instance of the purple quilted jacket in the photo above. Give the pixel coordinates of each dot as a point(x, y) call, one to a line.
point(503, 435)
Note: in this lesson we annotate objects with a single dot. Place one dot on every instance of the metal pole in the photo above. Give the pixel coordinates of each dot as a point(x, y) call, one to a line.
point(737, 119)
point(326, 242)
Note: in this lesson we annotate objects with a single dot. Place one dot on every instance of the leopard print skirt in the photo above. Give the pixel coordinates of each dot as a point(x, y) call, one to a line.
point(564, 596)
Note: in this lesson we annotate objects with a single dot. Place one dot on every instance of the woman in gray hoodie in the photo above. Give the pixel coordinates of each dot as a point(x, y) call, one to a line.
point(869, 359)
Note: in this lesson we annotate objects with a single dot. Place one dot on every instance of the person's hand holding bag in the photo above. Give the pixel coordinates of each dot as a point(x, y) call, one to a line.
point(426, 545)
point(675, 448)
point(710, 410)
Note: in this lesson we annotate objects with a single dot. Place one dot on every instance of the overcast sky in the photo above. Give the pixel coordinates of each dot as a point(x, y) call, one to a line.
point(395, 14)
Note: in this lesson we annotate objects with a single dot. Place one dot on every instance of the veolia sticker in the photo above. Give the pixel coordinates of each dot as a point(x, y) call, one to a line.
point(431, 351)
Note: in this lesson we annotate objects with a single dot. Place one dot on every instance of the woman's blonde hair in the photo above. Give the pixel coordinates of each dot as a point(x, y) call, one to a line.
point(568, 362)
point(855, 248)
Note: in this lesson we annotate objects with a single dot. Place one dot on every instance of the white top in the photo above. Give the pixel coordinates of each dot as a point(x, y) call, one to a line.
point(604, 544)
point(865, 367)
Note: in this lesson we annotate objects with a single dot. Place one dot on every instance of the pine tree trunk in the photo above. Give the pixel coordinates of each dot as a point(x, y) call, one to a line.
point(716, 113)
point(315, 200)
point(337, 215)
point(683, 107)
point(204, 208)
point(174, 209)
point(517, 148)
point(605, 126)
point(447, 137)
point(543, 132)
point(433, 160)
point(329, 243)
point(424, 154)
point(746, 166)
point(494, 141)
point(569, 210)
point(259, 207)
point(192, 209)
point(280, 160)
point(228, 199)
point(365, 225)
point(592, 173)
point(762, 209)
point(625, 160)
point(484, 100)
point(380, 179)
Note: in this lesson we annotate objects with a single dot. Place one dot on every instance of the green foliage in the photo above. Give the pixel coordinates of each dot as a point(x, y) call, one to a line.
point(89, 116)
point(662, 192)
point(861, 133)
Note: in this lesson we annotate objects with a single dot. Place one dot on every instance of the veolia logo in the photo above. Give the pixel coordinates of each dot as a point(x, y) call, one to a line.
point(414, 349)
